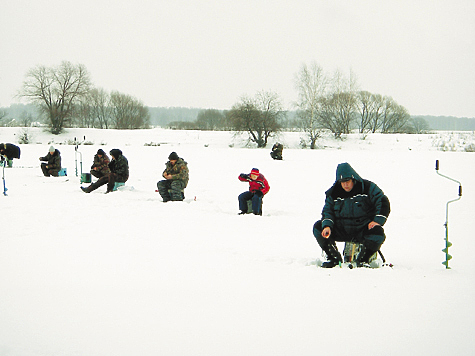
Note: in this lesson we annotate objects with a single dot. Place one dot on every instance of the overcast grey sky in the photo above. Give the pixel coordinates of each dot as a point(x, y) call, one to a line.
point(209, 53)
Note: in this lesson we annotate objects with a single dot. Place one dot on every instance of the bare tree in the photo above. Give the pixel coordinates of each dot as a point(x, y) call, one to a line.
point(128, 112)
point(100, 108)
point(3, 114)
point(26, 119)
point(365, 109)
point(259, 117)
point(83, 116)
point(272, 113)
point(376, 117)
point(210, 119)
point(311, 84)
point(339, 107)
point(395, 117)
point(419, 125)
point(55, 90)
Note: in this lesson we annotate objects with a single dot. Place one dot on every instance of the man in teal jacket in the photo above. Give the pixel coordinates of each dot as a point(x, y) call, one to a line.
point(355, 210)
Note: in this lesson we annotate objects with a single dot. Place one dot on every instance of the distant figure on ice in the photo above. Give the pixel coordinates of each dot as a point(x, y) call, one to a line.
point(119, 172)
point(100, 167)
point(276, 152)
point(176, 176)
point(258, 187)
point(355, 210)
point(53, 165)
point(9, 151)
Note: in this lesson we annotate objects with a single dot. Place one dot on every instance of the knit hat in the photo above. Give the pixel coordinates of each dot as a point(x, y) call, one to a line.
point(115, 152)
point(255, 171)
point(51, 149)
point(101, 152)
point(173, 156)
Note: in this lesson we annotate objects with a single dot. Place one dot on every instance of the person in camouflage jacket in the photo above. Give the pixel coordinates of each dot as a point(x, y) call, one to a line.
point(119, 167)
point(53, 165)
point(176, 176)
point(100, 167)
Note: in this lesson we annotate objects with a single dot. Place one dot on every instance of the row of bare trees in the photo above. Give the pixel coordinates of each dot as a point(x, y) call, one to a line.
point(65, 95)
point(99, 109)
point(260, 117)
point(335, 103)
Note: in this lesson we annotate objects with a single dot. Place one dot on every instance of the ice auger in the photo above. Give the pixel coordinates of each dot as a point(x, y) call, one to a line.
point(447, 242)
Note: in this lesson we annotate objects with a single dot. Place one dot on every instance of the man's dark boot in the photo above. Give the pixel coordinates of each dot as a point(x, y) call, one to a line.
point(364, 255)
point(334, 257)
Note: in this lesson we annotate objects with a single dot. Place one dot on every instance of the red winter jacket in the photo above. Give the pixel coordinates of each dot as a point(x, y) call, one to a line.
point(259, 184)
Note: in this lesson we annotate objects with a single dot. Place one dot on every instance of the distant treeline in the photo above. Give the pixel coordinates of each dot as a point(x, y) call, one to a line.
point(25, 115)
point(449, 123)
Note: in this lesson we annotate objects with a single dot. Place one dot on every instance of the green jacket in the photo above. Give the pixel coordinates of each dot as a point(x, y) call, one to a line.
point(353, 211)
point(102, 164)
point(179, 171)
point(119, 165)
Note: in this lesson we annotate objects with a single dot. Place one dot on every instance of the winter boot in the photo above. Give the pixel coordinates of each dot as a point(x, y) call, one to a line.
point(333, 256)
point(364, 256)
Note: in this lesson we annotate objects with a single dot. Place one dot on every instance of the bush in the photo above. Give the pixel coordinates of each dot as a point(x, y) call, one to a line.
point(470, 148)
point(24, 137)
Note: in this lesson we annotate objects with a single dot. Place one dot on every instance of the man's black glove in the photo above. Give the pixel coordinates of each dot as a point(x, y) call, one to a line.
point(258, 193)
point(244, 176)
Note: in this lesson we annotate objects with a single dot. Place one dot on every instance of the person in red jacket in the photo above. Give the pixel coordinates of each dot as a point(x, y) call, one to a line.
point(258, 187)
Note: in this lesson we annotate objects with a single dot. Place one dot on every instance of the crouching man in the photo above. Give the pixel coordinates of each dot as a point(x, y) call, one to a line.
point(52, 166)
point(355, 210)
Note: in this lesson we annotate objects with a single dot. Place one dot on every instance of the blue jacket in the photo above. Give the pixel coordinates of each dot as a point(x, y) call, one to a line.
point(352, 211)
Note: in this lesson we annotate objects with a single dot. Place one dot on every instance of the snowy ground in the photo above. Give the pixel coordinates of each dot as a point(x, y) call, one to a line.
point(125, 274)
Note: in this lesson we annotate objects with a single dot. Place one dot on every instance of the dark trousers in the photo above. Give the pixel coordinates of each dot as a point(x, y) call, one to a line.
point(171, 190)
point(372, 239)
point(97, 174)
point(256, 202)
point(109, 180)
point(49, 172)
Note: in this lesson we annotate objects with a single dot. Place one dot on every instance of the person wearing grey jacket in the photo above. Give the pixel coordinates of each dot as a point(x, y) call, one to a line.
point(52, 166)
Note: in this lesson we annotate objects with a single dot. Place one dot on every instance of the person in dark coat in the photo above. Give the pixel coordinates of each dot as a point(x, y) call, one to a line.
point(100, 167)
point(119, 172)
point(53, 163)
point(176, 176)
point(276, 152)
point(9, 151)
point(355, 210)
point(258, 187)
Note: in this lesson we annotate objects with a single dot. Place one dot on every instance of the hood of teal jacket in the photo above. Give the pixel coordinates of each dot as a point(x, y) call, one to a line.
point(345, 171)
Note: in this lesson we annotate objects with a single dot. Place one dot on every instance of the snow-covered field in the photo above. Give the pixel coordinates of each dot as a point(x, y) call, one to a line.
point(125, 274)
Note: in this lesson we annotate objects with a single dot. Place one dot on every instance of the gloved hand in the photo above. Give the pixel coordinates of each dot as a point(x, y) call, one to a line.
point(258, 193)
point(244, 176)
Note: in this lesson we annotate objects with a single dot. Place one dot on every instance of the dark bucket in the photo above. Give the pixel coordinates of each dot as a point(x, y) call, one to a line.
point(86, 178)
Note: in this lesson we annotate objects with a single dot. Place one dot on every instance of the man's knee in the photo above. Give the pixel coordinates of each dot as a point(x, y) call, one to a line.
point(317, 232)
point(375, 237)
point(162, 185)
point(317, 228)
